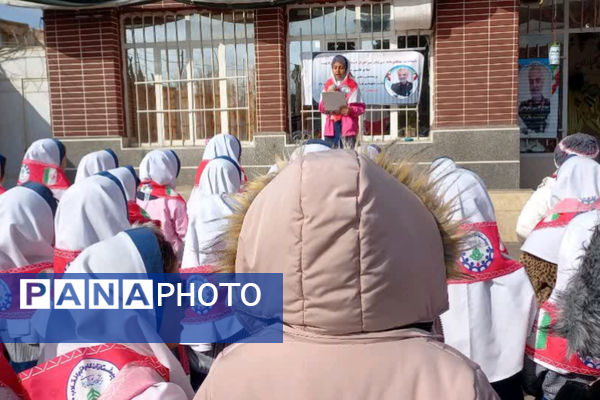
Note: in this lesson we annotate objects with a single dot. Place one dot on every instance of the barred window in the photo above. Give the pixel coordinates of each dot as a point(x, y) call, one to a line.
point(189, 76)
point(359, 26)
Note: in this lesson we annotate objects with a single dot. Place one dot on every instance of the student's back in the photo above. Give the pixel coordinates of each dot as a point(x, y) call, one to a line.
point(361, 277)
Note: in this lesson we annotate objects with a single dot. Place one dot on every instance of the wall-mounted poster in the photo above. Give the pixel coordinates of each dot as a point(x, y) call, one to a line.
point(538, 98)
point(384, 77)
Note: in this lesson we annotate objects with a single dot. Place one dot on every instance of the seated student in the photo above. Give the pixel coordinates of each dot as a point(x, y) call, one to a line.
point(140, 371)
point(95, 162)
point(27, 220)
point(564, 346)
point(208, 208)
point(222, 144)
point(539, 203)
point(90, 211)
point(363, 280)
point(492, 307)
point(158, 172)
point(2, 172)
point(130, 181)
point(44, 162)
point(577, 189)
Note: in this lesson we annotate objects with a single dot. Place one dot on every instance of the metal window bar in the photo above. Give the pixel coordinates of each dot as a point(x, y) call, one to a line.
point(170, 112)
point(381, 37)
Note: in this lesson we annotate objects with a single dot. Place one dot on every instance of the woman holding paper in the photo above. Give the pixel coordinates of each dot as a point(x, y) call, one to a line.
point(341, 126)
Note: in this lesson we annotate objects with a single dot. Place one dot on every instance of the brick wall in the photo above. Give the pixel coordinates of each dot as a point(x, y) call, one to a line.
point(476, 55)
point(271, 76)
point(84, 72)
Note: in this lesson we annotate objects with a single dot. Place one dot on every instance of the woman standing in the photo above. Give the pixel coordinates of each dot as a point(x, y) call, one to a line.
point(341, 127)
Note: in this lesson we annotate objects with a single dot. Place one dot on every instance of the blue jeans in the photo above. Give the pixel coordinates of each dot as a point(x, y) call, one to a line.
point(335, 141)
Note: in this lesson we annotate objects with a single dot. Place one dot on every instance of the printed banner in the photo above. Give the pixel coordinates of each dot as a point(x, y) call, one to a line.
point(384, 77)
point(538, 98)
point(140, 308)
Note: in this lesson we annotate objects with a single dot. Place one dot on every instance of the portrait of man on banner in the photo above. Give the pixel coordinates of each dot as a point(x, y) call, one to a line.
point(538, 98)
point(401, 81)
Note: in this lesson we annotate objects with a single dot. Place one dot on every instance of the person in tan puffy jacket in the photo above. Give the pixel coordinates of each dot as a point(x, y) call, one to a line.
point(365, 251)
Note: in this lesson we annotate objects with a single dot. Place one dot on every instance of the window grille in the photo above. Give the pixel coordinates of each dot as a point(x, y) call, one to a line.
point(189, 75)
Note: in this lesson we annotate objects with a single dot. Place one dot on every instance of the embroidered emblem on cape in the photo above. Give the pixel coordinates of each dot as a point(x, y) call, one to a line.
point(24, 173)
point(592, 362)
point(5, 296)
point(207, 297)
point(50, 176)
point(480, 254)
point(146, 189)
point(89, 378)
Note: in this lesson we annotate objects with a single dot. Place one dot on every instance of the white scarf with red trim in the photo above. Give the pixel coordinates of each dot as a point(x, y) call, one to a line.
point(577, 190)
point(492, 308)
point(543, 346)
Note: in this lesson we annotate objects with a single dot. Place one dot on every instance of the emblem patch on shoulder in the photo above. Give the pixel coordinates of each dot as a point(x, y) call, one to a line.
point(24, 173)
point(480, 253)
point(89, 378)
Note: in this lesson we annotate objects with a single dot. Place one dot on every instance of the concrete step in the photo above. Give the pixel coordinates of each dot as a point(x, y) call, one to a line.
point(508, 205)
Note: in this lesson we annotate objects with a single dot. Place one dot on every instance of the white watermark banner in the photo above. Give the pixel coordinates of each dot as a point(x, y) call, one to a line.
point(384, 77)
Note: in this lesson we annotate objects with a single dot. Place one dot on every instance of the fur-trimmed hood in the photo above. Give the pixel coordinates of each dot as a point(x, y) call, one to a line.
point(363, 247)
point(579, 304)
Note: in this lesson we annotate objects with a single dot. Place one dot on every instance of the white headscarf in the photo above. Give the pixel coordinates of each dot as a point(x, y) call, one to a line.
point(49, 151)
point(133, 251)
point(160, 166)
point(95, 162)
point(464, 189)
point(27, 220)
point(208, 207)
point(223, 144)
point(572, 249)
point(373, 151)
point(579, 179)
point(128, 178)
point(488, 321)
point(92, 210)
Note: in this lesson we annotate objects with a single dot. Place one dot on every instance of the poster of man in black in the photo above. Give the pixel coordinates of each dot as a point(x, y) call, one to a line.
point(403, 87)
point(534, 112)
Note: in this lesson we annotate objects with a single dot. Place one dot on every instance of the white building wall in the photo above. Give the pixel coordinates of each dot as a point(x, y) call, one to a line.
point(24, 104)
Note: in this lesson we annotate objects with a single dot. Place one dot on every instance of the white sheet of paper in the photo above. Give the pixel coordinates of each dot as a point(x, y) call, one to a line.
point(333, 101)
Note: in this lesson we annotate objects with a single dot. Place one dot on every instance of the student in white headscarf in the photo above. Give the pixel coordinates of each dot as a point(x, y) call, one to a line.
point(27, 220)
point(44, 162)
point(493, 306)
point(158, 172)
point(577, 144)
point(563, 347)
point(132, 371)
point(92, 210)
point(222, 144)
point(130, 182)
point(373, 151)
point(577, 189)
point(95, 162)
point(209, 205)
